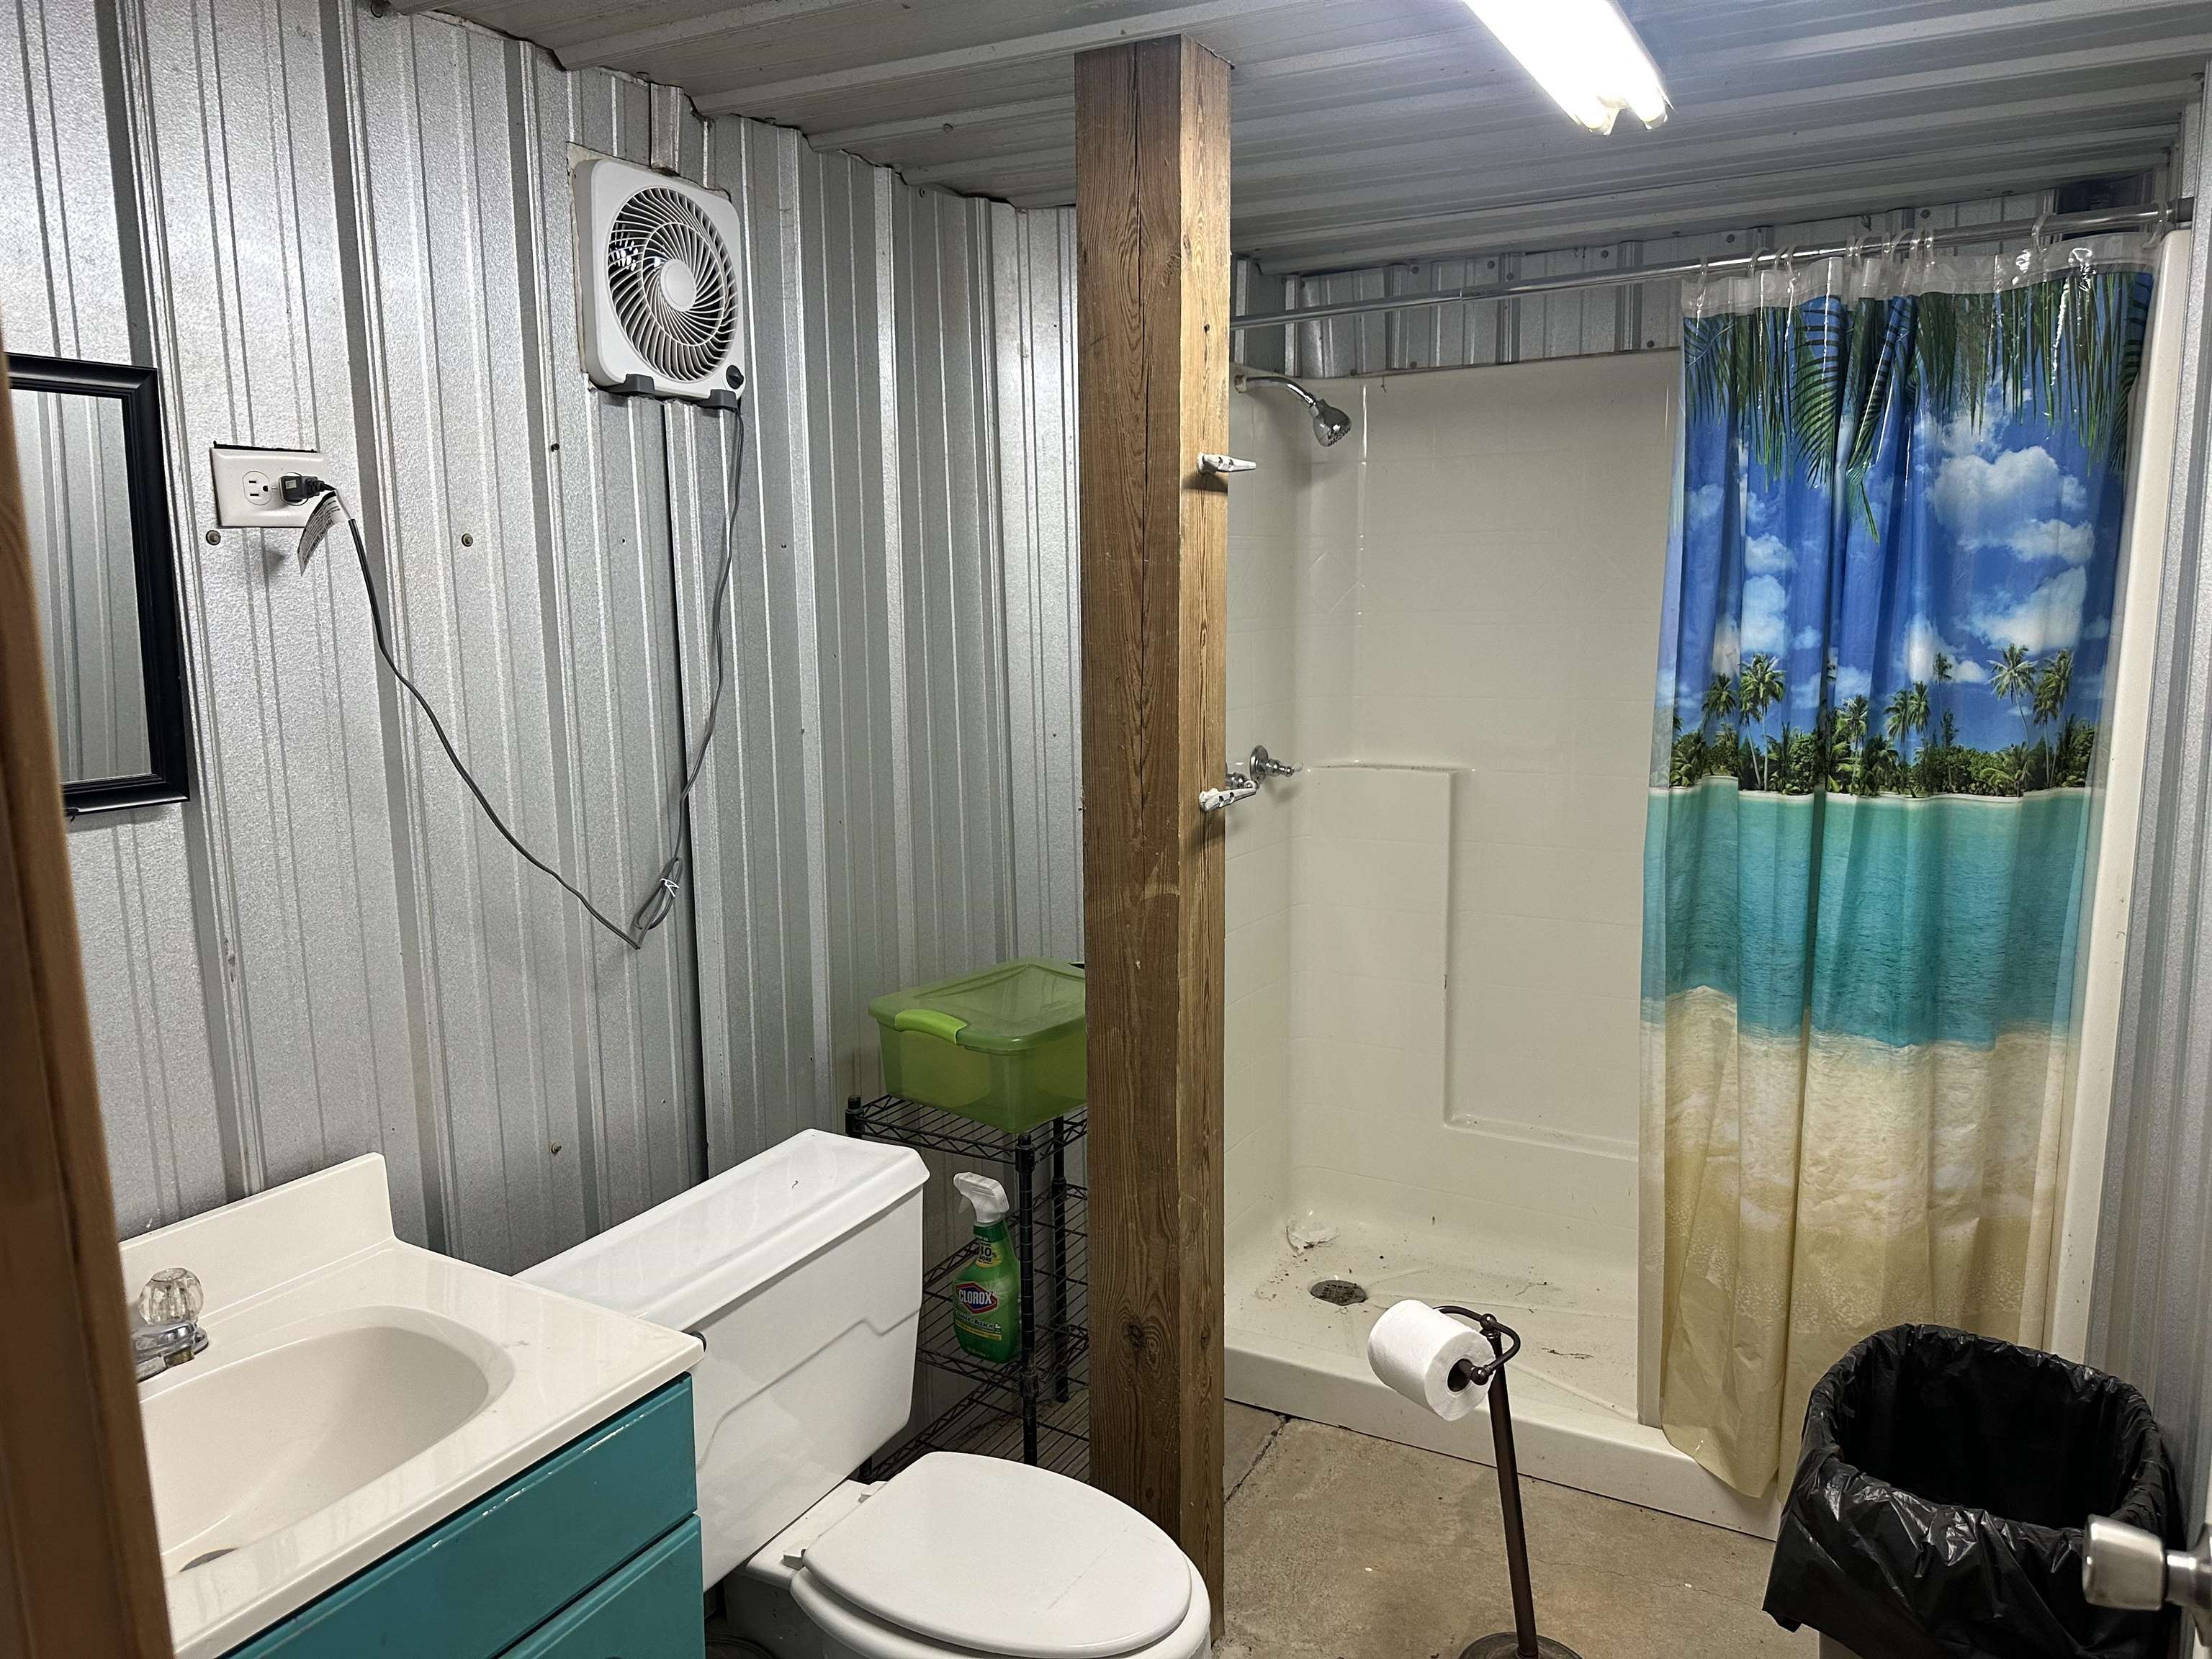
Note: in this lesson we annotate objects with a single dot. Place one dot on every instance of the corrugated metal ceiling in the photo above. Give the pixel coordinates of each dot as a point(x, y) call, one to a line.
point(1380, 128)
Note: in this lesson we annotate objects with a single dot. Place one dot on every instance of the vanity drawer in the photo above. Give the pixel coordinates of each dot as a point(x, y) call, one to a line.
point(649, 1610)
point(484, 1579)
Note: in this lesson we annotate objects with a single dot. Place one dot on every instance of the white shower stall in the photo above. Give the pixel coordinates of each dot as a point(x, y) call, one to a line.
point(1449, 622)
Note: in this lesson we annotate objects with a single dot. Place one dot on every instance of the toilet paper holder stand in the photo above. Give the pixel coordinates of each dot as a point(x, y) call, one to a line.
point(1522, 1641)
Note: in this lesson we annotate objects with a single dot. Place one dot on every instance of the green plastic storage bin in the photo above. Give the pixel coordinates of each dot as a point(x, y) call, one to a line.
point(1004, 1047)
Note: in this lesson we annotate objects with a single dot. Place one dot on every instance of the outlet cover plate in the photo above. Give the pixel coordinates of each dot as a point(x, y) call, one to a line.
point(247, 493)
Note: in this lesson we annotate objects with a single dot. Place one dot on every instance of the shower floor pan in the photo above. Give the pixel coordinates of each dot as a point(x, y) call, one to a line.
point(1573, 1387)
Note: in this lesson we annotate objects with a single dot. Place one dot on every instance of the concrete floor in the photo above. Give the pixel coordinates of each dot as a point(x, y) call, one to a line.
point(1345, 1547)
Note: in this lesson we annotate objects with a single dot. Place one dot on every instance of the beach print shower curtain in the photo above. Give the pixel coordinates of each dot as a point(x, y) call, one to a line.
point(1887, 615)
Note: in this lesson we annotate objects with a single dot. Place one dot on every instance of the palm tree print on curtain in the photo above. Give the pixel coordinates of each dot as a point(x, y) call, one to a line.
point(1887, 617)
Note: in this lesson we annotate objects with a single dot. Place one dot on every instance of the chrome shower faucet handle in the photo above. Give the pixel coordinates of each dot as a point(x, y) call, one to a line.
point(1234, 788)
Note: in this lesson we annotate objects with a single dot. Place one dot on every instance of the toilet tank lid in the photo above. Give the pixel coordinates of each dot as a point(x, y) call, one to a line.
point(995, 1557)
point(684, 1261)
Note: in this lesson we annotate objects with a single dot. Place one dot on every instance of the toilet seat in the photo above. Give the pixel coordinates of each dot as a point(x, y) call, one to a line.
point(854, 1632)
point(969, 1555)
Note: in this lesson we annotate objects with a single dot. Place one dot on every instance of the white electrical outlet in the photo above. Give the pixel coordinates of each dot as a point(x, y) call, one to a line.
point(249, 491)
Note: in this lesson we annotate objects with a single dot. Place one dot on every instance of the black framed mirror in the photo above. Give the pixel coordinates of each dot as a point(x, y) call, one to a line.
point(95, 494)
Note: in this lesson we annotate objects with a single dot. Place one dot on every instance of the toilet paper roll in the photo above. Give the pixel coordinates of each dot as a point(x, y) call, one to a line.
point(1414, 1348)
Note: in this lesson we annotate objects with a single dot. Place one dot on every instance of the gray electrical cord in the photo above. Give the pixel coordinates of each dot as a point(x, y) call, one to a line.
point(661, 900)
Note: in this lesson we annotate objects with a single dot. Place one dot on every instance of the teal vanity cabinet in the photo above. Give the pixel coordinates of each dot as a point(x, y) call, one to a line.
point(593, 1554)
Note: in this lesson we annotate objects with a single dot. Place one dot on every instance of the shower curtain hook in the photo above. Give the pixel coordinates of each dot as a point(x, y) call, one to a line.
point(1854, 276)
point(2039, 238)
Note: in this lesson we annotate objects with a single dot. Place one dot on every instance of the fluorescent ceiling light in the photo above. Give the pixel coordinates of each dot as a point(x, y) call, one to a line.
point(1584, 53)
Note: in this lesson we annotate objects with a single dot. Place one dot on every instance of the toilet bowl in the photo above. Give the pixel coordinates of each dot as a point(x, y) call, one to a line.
point(800, 1271)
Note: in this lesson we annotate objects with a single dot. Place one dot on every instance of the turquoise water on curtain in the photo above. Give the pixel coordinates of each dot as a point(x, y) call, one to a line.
point(1947, 919)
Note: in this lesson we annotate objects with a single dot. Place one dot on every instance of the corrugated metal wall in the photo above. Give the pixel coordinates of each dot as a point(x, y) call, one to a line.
point(1632, 317)
point(523, 523)
point(67, 290)
point(919, 668)
point(1036, 339)
point(2151, 1317)
point(352, 232)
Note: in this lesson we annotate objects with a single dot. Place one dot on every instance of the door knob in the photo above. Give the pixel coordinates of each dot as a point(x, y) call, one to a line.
point(2124, 1566)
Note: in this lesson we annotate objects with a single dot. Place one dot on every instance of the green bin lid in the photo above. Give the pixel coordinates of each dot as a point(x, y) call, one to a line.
point(1004, 1010)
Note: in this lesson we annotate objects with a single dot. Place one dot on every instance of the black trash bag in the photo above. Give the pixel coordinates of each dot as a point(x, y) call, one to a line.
point(1940, 1495)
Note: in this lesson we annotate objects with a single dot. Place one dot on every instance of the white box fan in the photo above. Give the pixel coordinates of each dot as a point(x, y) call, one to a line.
point(657, 284)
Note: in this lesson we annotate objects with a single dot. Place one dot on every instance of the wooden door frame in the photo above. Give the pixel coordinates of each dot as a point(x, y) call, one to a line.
point(80, 1568)
point(1153, 302)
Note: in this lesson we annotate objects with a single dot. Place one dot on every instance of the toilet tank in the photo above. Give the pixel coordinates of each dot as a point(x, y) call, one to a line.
point(801, 1271)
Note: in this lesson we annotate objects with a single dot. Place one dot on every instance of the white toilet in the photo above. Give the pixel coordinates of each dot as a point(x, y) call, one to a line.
point(801, 1271)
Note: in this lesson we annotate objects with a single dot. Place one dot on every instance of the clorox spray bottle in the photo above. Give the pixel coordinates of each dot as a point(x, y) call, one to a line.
point(987, 1298)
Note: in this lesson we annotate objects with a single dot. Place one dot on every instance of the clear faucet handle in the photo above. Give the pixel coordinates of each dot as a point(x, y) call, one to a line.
point(171, 1297)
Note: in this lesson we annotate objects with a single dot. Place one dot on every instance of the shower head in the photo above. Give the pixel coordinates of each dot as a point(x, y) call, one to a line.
point(1330, 423)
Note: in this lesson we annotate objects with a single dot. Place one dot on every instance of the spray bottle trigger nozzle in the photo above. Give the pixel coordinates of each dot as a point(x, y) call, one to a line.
point(984, 1195)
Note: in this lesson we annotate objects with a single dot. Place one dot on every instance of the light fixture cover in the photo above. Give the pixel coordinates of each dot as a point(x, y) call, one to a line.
point(1584, 53)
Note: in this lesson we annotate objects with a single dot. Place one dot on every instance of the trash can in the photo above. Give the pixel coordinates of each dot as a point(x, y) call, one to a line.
point(1941, 1491)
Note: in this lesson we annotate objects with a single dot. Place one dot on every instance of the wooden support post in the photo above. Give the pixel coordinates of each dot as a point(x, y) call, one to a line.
point(80, 1572)
point(1153, 295)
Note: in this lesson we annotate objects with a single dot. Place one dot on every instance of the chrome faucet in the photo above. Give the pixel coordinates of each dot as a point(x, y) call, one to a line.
point(1234, 787)
point(1243, 786)
point(166, 1331)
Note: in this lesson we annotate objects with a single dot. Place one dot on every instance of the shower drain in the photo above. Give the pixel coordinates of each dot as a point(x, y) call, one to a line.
point(1338, 1292)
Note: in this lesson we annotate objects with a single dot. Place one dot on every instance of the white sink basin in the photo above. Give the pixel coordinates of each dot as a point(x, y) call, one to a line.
point(355, 1402)
point(355, 1392)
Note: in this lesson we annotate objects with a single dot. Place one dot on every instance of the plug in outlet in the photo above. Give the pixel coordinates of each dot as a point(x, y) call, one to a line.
point(248, 487)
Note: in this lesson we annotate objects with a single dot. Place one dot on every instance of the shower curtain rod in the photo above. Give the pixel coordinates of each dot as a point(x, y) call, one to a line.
point(2178, 211)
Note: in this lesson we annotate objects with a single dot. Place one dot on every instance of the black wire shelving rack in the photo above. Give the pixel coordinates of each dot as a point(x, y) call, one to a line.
point(1031, 1407)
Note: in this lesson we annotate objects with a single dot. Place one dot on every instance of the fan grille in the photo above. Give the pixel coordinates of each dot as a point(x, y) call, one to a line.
point(669, 276)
